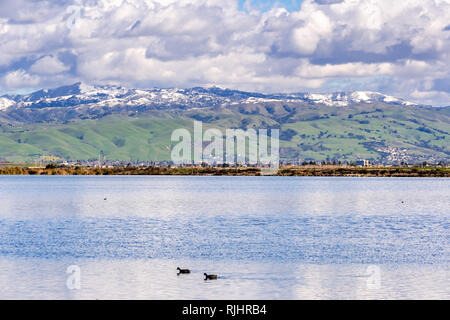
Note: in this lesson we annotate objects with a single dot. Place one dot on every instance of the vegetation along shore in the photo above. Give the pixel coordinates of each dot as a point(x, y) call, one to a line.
point(340, 171)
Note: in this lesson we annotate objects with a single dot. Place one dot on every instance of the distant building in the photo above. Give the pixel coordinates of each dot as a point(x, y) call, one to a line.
point(101, 159)
point(363, 163)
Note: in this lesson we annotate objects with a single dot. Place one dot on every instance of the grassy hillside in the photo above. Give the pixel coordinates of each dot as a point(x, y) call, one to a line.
point(120, 138)
point(308, 132)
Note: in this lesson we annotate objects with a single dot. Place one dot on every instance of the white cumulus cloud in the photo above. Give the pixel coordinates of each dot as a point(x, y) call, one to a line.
point(48, 65)
point(397, 47)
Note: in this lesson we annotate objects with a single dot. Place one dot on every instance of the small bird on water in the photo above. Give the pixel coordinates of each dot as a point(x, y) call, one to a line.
point(183, 270)
point(210, 276)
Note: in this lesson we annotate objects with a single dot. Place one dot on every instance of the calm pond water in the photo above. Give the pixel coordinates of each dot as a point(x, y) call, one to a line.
point(266, 237)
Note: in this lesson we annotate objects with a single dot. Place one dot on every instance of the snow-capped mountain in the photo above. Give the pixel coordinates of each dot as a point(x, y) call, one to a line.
point(101, 96)
point(5, 103)
point(343, 99)
point(81, 94)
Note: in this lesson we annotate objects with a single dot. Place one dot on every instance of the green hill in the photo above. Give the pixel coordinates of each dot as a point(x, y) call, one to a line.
point(378, 132)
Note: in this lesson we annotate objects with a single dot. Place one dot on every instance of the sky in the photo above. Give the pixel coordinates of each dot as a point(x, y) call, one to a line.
point(266, 5)
point(400, 48)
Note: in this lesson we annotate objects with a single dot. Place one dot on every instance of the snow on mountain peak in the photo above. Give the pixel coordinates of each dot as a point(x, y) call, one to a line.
point(362, 95)
point(5, 103)
point(85, 88)
point(81, 93)
point(345, 99)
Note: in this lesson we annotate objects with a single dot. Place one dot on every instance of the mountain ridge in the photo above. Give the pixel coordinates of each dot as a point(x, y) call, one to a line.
point(78, 122)
point(111, 95)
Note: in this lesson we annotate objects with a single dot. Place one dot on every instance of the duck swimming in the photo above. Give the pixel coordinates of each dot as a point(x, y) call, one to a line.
point(183, 270)
point(210, 276)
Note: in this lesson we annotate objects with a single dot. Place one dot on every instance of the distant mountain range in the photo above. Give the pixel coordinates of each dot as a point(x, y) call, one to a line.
point(78, 121)
point(80, 94)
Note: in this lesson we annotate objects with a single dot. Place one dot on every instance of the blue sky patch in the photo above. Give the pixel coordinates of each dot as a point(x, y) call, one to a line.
point(265, 5)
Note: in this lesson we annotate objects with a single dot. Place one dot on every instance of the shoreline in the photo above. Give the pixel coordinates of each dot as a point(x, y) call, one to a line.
point(297, 171)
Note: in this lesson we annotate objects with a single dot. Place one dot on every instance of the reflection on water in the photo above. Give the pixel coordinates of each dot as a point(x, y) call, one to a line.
point(267, 237)
point(322, 239)
point(157, 279)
